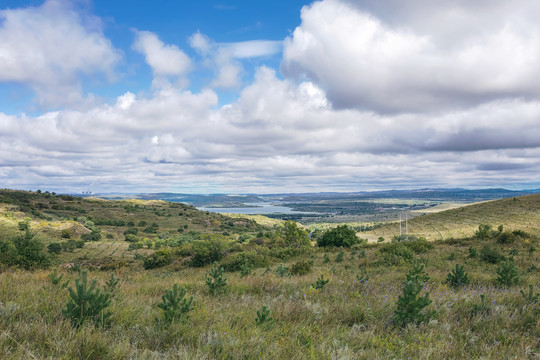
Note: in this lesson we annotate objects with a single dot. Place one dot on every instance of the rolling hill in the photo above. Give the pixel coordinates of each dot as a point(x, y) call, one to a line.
point(521, 212)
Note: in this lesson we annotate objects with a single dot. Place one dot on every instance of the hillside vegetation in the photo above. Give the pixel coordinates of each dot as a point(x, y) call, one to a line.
point(521, 212)
point(258, 292)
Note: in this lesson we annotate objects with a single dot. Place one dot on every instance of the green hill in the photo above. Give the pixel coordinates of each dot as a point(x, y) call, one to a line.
point(521, 212)
point(59, 218)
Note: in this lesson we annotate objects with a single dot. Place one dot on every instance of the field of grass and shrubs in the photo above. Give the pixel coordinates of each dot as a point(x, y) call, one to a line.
point(269, 293)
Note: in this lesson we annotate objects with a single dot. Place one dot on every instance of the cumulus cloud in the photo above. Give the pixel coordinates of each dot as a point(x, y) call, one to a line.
point(48, 47)
point(442, 55)
point(165, 60)
point(226, 58)
point(279, 136)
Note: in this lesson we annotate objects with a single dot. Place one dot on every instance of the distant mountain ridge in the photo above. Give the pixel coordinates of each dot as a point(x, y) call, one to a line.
point(230, 200)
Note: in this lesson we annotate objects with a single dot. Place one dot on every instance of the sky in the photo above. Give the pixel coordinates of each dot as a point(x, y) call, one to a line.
point(269, 97)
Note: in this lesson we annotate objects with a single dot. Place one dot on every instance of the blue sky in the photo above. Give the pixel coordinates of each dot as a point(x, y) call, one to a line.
point(270, 97)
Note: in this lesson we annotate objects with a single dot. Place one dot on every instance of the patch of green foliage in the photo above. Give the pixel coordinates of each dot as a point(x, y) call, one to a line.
point(340, 236)
point(87, 303)
point(174, 305)
point(458, 277)
point(216, 280)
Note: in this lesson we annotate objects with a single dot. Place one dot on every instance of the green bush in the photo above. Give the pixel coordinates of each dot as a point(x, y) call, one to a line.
point(458, 277)
point(491, 255)
point(264, 319)
point(87, 303)
point(215, 280)
point(207, 251)
point(410, 306)
point(158, 259)
point(301, 267)
point(506, 238)
point(395, 253)
point(292, 235)
point(485, 231)
point(341, 236)
point(339, 257)
point(282, 270)
point(55, 248)
point(507, 274)
point(320, 283)
point(30, 252)
point(175, 305)
point(234, 262)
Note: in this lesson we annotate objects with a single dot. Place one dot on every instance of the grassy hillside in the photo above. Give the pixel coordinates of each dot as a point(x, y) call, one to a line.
point(513, 213)
point(281, 297)
point(56, 218)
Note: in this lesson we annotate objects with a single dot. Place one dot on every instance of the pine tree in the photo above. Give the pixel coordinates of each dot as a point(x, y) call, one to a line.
point(458, 277)
point(175, 305)
point(87, 303)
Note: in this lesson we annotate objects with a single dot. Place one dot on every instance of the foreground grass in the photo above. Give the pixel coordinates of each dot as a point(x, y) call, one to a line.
point(344, 320)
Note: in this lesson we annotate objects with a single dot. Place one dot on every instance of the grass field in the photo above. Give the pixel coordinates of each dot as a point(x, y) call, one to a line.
point(513, 213)
point(344, 320)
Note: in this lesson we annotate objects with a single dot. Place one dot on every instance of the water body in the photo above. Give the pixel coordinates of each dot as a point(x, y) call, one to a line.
point(257, 209)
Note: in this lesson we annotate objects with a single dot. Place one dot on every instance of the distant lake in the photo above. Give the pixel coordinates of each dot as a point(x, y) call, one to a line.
point(257, 208)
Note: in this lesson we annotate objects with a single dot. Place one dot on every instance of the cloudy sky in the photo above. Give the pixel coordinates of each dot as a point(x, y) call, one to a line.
point(269, 97)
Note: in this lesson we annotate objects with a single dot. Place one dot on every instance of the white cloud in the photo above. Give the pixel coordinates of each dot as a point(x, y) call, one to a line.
point(422, 60)
point(48, 47)
point(163, 59)
point(277, 134)
point(226, 58)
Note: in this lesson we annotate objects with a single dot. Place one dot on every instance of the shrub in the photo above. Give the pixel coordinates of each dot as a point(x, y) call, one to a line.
point(341, 236)
point(301, 267)
point(175, 305)
point(30, 253)
point(215, 280)
point(66, 234)
point(395, 253)
point(55, 248)
point(485, 231)
point(482, 308)
point(87, 303)
point(491, 255)
point(264, 318)
point(410, 306)
point(530, 297)
point(207, 251)
point(506, 238)
point(339, 257)
point(419, 246)
point(131, 231)
point(363, 277)
point(282, 270)
point(112, 283)
point(507, 274)
point(292, 235)
point(319, 284)
point(458, 277)
point(23, 226)
point(472, 252)
point(235, 262)
point(8, 252)
point(95, 235)
point(158, 259)
point(326, 259)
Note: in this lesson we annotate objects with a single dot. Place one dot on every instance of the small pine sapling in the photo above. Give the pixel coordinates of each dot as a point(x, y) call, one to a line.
point(472, 253)
point(482, 308)
point(87, 303)
point(55, 278)
point(410, 306)
point(339, 257)
point(215, 280)
point(319, 284)
point(458, 277)
point(246, 269)
point(111, 284)
point(264, 319)
point(362, 277)
point(282, 270)
point(326, 259)
point(507, 274)
point(417, 272)
point(175, 305)
point(531, 297)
